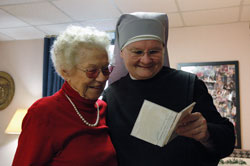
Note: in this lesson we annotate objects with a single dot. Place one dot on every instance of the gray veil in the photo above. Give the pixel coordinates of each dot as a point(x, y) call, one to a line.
point(124, 32)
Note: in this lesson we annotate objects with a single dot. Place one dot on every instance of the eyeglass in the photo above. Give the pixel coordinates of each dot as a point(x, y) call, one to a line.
point(93, 73)
point(139, 53)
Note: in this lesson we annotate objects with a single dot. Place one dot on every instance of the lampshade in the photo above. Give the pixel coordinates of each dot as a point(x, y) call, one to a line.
point(15, 124)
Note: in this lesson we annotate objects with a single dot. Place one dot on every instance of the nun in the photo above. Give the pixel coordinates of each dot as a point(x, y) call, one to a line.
point(142, 72)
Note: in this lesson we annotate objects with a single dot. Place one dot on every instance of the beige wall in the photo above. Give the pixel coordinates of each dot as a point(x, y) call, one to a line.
point(23, 60)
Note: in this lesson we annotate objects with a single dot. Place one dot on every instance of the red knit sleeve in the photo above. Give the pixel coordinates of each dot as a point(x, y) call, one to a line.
point(35, 142)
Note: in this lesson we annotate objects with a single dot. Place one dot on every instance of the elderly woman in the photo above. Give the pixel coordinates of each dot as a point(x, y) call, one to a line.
point(69, 127)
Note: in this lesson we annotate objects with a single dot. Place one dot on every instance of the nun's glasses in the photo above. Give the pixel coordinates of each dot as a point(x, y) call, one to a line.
point(140, 53)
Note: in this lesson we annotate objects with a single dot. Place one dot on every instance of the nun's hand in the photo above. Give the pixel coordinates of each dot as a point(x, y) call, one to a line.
point(194, 126)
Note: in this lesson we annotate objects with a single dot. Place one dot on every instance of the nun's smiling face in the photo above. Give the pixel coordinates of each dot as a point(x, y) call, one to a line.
point(143, 59)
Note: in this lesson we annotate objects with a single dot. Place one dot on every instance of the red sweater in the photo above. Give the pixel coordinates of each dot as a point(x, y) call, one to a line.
point(54, 135)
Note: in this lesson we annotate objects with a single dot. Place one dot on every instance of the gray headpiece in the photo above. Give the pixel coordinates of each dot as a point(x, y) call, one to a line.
point(135, 27)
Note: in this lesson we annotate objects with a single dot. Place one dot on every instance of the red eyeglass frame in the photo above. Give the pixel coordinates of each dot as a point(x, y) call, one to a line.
point(95, 72)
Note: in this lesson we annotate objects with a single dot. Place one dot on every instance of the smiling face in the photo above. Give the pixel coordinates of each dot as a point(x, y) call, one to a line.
point(143, 59)
point(89, 88)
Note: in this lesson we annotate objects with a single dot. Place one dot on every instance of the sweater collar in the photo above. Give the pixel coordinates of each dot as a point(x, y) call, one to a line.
point(75, 96)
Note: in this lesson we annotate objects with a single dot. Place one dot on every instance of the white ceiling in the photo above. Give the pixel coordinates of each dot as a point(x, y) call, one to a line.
point(33, 19)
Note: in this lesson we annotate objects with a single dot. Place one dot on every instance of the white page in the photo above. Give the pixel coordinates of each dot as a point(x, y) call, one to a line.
point(153, 123)
point(187, 110)
point(156, 124)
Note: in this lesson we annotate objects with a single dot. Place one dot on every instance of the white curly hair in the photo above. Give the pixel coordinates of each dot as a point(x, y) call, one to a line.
point(64, 52)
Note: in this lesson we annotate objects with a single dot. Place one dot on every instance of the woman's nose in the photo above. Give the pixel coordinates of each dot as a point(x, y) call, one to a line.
point(101, 77)
point(146, 58)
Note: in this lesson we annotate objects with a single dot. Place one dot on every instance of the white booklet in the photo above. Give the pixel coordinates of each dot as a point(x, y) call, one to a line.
point(156, 124)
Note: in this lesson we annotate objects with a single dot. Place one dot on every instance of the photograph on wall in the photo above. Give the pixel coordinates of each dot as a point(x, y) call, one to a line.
point(222, 81)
